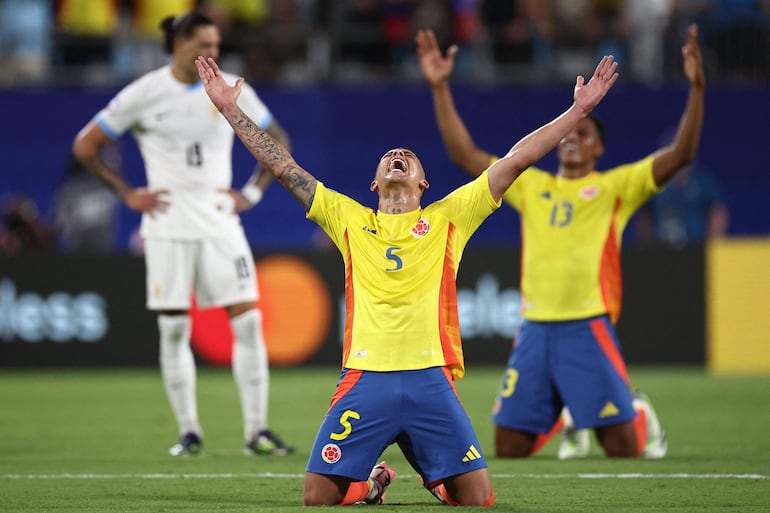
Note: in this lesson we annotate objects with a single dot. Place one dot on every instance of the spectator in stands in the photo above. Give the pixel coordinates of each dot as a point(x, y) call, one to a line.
point(577, 31)
point(25, 39)
point(85, 212)
point(646, 24)
point(244, 24)
point(520, 31)
point(740, 36)
point(146, 15)
point(359, 29)
point(23, 229)
point(84, 37)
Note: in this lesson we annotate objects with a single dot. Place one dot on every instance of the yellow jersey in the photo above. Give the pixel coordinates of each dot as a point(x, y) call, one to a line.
point(400, 271)
point(572, 231)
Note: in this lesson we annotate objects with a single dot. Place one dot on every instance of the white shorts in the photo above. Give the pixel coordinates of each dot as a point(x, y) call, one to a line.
point(220, 272)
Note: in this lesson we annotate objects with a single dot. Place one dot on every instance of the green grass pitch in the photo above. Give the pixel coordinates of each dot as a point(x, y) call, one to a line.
point(97, 441)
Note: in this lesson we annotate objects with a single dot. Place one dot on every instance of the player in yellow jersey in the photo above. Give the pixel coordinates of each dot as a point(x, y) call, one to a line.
point(567, 352)
point(402, 349)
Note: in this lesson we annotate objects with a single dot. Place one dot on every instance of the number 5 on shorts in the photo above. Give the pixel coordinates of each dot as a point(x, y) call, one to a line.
point(345, 423)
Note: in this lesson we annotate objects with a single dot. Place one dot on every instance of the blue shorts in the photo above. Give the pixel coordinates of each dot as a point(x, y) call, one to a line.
point(418, 409)
point(574, 363)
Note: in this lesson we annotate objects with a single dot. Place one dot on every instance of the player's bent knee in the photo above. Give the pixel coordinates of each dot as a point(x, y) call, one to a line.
point(621, 452)
point(484, 496)
point(513, 444)
point(618, 440)
point(510, 452)
point(471, 489)
point(321, 490)
point(320, 498)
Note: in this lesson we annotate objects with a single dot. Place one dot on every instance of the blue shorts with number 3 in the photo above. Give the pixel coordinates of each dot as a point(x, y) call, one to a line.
point(574, 363)
point(417, 409)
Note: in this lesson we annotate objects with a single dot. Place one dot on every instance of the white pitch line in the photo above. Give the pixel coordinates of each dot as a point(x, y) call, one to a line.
point(271, 475)
point(632, 476)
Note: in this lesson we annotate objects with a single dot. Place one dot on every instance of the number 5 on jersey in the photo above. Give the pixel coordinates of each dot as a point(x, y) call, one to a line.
point(390, 254)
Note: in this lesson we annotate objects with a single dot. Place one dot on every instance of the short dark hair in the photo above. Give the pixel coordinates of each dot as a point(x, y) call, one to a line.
point(599, 127)
point(183, 25)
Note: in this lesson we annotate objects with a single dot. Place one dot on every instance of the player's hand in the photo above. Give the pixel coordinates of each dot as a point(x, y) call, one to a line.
point(221, 93)
point(437, 68)
point(587, 96)
point(146, 201)
point(240, 203)
point(692, 60)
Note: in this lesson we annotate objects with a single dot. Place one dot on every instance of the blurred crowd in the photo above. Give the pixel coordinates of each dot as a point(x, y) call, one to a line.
point(92, 42)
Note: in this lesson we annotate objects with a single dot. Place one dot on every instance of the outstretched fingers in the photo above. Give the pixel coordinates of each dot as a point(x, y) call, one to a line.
point(436, 67)
point(692, 45)
point(605, 70)
point(588, 95)
point(426, 42)
point(605, 74)
point(692, 59)
point(205, 71)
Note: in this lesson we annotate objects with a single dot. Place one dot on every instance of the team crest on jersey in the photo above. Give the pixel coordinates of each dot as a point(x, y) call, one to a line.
point(331, 453)
point(589, 192)
point(421, 229)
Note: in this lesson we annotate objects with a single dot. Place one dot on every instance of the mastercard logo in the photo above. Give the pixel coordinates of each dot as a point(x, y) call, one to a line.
point(296, 314)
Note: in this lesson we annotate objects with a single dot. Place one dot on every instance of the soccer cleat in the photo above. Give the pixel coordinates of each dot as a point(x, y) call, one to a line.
point(576, 443)
point(380, 476)
point(436, 491)
point(656, 446)
point(267, 442)
point(189, 444)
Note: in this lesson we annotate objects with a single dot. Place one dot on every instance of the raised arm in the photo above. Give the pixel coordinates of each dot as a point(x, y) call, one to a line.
point(437, 69)
point(534, 146)
point(270, 153)
point(670, 159)
point(252, 191)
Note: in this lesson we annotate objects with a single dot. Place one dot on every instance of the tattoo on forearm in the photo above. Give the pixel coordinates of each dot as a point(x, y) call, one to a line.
point(298, 184)
point(275, 157)
point(259, 142)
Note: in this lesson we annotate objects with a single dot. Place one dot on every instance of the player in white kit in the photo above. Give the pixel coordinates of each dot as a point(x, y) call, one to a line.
point(194, 241)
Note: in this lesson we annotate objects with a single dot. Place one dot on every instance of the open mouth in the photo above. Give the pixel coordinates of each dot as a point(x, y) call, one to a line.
point(397, 165)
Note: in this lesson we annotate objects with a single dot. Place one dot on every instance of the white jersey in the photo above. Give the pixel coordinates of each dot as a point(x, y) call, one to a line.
point(186, 145)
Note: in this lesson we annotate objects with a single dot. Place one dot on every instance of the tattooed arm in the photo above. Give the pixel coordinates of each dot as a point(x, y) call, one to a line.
point(269, 152)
